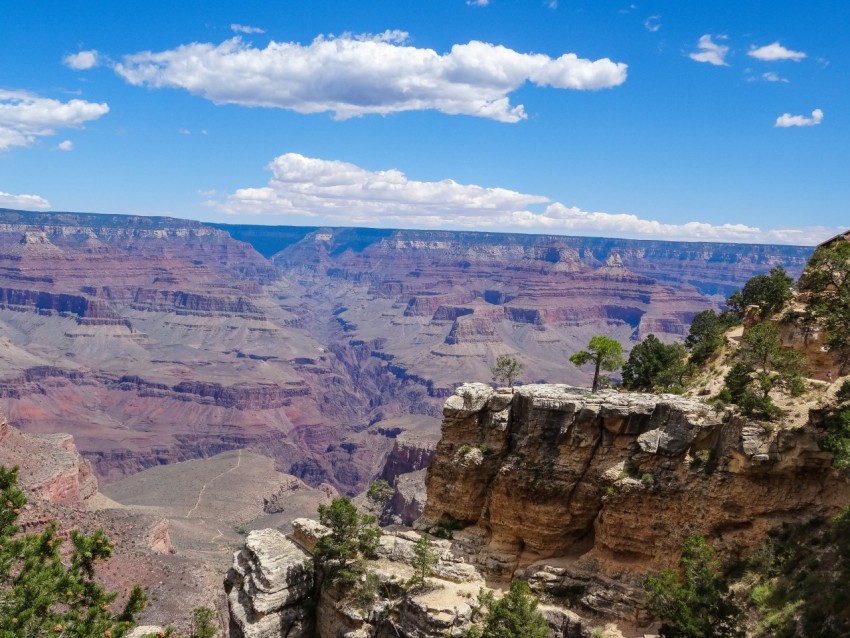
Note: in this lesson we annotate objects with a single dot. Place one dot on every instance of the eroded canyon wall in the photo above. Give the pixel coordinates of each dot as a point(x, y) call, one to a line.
point(617, 480)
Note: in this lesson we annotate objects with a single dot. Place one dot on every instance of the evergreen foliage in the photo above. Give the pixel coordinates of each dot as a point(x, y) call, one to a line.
point(203, 623)
point(769, 292)
point(763, 366)
point(827, 277)
point(424, 559)
point(604, 353)
point(706, 335)
point(695, 604)
point(40, 595)
point(837, 439)
point(506, 370)
point(514, 615)
point(380, 493)
point(654, 365)
point(797, 581)
point(352, 536)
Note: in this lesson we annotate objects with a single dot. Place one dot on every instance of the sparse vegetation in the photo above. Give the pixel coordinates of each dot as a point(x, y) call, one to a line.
point(797, 581)
point(424, 560)
point(380, 493)
point(514, 615)
point(604, 353)
point(697, 603)
point(763, 366)
point(40, 595)
point(506, 370)
point(353, 536)
point(203, 623)
point(446, 528)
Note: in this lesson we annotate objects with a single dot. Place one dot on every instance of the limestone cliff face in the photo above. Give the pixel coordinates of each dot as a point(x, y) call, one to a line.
point(616, 481)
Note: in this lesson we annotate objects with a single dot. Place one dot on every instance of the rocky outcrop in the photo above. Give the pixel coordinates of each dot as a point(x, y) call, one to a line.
point(50, 467)
point(159, 540)
point(620, 480)
point(268, 588)
point(267, 592)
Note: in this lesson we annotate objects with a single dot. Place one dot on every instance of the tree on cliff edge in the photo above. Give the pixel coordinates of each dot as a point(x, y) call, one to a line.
point(352, 535)
point(604, 353)
point(40, 595)
point(507, 369)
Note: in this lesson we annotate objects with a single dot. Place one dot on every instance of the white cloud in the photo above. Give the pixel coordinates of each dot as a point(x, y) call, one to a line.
point(23, 202)
point(710, 51)
point(184, 131)
point(775, 51)
point(552, 4)
point(82, 60)
point(241, 28)
point(478, 3)
point(67, 145)
point(652, 24)
point(337, 193)
point(25, 117)
point(352, 76)
point(772, 76)
point(787, 120)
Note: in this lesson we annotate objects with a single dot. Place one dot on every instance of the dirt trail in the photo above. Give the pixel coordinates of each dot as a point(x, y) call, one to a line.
point(211, 481)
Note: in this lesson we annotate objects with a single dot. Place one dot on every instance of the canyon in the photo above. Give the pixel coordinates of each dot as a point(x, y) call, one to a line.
point(154, 340)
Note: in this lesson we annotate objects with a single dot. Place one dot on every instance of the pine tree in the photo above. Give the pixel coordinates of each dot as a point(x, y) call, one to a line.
point(604, 353)
point(352, 535)
point(40, 595)
point(424, 559)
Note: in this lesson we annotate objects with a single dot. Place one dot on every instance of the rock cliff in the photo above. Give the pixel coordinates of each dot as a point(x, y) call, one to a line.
point(270, 593)
point(50, 467)
point(552, 477)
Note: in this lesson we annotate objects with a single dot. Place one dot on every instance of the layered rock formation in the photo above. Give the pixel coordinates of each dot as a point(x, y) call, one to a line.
point(270, 593)
point(436, 308)
point(155, 340)
point(612, 483)
point(268, 587)
point(50, 468)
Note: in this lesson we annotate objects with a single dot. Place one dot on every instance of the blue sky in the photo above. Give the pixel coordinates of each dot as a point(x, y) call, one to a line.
point(719, 121)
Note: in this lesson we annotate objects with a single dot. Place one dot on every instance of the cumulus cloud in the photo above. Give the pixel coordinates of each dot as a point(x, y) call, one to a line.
point(652, 23)
point(241, 28)
point(67, 145)
point(710, 51)
point(373, 74)
point(787, 120)
point(82, 60)
point(775, 51)
point(23, 202)
point(335, 193)
point(772, 76)
point(25, 117)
